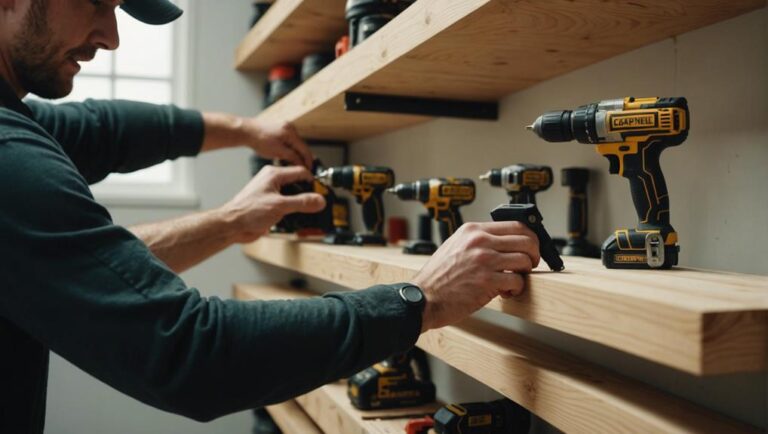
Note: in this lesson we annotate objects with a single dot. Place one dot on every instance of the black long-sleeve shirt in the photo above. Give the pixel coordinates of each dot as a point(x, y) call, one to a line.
point(75, 283)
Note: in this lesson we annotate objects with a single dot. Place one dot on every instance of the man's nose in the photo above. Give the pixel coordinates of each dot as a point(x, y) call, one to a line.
point(105, 34)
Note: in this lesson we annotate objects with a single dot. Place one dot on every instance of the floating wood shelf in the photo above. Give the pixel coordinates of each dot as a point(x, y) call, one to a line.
point(290, 30)
point(478, 50)
point(292, 419)
point(572, 395)
point(701, 322)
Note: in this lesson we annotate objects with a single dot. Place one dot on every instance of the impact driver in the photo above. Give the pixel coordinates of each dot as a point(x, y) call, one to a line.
point(631, 133)
point(442, 197)
point(366, 183)
point(522, 181)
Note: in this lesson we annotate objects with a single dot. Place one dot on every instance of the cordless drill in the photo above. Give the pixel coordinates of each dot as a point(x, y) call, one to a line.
point(442, 197)
point(631, 133)
point(577, 178)
point(367, 183)
point(399, 381)
point(522, 181)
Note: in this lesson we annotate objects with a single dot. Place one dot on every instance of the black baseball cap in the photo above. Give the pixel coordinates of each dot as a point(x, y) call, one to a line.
point(152, 11)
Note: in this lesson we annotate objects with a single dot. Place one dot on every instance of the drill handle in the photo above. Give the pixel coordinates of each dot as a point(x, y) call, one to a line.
point(649, 189)
point(450, 221)
point(577, 214)
point(373, 212)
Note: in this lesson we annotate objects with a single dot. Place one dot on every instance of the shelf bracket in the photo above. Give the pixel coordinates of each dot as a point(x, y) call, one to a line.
point(370, 102)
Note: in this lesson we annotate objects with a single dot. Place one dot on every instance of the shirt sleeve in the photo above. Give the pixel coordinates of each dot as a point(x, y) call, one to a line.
point(97, 296)
point(102, 137)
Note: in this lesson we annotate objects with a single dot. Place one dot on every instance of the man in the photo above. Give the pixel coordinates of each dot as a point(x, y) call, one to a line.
point(107, 298)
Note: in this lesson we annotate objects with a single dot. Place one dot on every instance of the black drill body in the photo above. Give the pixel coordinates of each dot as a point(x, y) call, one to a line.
point(529, 215)
point(631, 133)
point(366, 183)
point(442, 197)
point(496, 417)
point(521, 181)
point(576, 179)
point(400, 381)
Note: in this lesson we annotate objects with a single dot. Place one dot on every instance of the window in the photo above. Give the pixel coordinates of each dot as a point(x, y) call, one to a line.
point(148, 66)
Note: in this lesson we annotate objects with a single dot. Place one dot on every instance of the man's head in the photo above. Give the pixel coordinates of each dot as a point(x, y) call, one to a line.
point(42, 41)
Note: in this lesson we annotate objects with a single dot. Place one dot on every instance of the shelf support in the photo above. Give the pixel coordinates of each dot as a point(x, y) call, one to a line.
point(370, 102)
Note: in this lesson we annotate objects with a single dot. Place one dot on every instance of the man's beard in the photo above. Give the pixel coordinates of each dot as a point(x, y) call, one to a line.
point(33, 56)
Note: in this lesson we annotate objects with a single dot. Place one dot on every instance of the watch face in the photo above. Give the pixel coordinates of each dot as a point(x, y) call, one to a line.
point(412, 294)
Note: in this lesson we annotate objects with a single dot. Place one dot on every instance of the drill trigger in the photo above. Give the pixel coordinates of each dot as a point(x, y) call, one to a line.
point(614, 165)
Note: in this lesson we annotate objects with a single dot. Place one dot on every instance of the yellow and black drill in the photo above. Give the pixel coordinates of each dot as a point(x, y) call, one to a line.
point(522, 181)
point(367, 183)
point(442, 197)
point(402, 380)
point(631, 133)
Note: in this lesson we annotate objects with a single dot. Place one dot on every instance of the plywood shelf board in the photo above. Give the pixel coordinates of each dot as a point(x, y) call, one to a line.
point(292, 419)
point(482, 50)
point(701, 322)
point(573, 395)
point(290, 30)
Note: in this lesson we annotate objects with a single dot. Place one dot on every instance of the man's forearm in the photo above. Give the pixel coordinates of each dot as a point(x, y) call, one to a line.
point(223, 131)
point(186, 241)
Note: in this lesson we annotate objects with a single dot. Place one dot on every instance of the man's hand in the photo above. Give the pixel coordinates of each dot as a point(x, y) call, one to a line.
point(260, 205)
point(268, 139)
point(277, 140)
point(479, 262)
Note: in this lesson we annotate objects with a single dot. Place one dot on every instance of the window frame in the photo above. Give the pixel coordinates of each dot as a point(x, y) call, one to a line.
point(180, 191)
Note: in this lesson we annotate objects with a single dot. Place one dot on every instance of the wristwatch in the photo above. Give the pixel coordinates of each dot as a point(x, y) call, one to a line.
point(412, 295)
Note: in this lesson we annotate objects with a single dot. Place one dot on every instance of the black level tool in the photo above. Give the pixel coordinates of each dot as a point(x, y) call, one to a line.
point(442, 197)
point(496, 417)
point(631, 133)
point(367, 183)
point(522, 181)
point(399, 381)
point(577, 178)
point(531, 217)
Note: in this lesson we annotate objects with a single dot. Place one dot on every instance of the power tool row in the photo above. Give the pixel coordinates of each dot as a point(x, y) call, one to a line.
point(631, 133)
point(365, 17)
point(404, 381)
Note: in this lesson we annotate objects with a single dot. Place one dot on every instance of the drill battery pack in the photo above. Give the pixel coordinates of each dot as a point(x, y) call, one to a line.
point(399, 381)
point(640, 249)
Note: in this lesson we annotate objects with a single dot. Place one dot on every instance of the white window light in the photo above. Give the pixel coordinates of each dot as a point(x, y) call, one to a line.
point(148, 66)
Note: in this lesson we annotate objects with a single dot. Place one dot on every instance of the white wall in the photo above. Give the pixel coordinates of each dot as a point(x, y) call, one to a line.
point(717, 179)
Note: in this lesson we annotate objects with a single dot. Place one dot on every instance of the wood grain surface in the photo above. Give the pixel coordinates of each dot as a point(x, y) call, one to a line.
point(481, 50)
point(574, 396)
point(292, 419)
point(701, 322)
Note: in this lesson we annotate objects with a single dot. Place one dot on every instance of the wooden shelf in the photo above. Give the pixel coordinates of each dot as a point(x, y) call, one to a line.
point(291, 419)
point(290, 30)
point(572, 395)
point(701, 322)
point(478, 50)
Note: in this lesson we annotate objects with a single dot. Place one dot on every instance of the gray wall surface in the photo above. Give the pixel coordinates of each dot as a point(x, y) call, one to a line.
point(716, 183)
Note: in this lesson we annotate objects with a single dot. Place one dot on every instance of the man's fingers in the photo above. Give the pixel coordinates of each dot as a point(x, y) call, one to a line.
point(304, 203)
point(515, 261)
point(299, 146)
point(290, 174)
point(508, 284)
point(289, 154)
point(517, 243)
point(506, 228)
